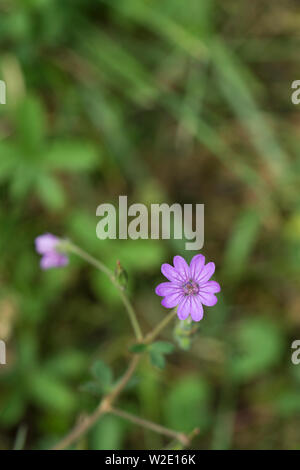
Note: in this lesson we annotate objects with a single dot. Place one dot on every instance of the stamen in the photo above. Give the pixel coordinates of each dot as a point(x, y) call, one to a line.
point(190, 288)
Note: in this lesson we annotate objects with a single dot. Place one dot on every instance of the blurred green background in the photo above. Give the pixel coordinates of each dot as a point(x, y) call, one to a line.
point(164, 101)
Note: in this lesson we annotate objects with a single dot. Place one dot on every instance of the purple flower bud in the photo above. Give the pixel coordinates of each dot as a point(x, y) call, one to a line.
point(46, 245)
point(53, 260)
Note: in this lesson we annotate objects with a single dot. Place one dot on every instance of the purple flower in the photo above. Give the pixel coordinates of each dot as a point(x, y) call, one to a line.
point(189, 287)
point(46, 245)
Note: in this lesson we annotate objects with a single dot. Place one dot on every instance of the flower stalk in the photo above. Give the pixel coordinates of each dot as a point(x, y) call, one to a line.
point(104, 407)
point(67, 246)
point(150, 337)
point(106, 404)
point(188, 287)
point(179, 436)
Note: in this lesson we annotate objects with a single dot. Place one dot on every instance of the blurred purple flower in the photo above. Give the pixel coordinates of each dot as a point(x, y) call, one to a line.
point(46, 245)
point(189, 287)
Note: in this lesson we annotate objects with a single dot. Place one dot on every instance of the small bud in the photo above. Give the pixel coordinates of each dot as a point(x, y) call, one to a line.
point(121, 275)
point(184, 332)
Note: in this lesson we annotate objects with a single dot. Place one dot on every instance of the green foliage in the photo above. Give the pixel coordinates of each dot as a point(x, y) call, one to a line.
point(102, 372)
point(157, 352)
point(68, 364)
point(138, 348)
point(50, 393)
point(30, 161)
point(162, 347)
point(241, 244)
point(163, 102)
point(183, 333)
point(259, 345)
point(188, 404)
point(103, 379)
point(108, 434)
point(157, 359)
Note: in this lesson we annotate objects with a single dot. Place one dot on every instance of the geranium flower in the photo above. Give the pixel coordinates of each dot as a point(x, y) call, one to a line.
point(189, 287)
point(46, 245)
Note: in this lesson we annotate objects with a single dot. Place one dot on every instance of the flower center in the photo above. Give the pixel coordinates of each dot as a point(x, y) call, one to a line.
point(190, 288)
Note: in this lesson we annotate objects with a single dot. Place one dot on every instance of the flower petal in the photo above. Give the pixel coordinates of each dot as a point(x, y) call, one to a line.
point(181, 267)
point(170, 273)
point(46, 243)
point(196, 266)
point(206, 273)
point(172, 300)
point(53, 260)
point(196, 308)
point(166, 288)
point(183, 310)
point(210, 287)
point(208, 299)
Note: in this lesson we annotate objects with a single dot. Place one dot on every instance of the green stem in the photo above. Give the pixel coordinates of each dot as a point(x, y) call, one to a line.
point(70, 247)
point(104, 407)
point(106, 403)
point(155, 332)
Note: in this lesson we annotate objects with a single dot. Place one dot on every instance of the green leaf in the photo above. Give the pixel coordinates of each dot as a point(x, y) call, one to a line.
point(157, 351)
point(103, 374)
point(12, 408)
point(23, 180)
point(162, 347)
point(72, 156)
point(108, 434)
point(31, 125)
point(188, 404)
point(241, 243)
point(138, 348)
point(259, 345)
point(50, 192)
point(157, 359)
point(49, 392)
point(8, 160)
point(288, 403)
point(93, 388)
point(68, 364)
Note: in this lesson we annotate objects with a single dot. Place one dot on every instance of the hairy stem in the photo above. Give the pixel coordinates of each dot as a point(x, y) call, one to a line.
point(106, 403)
point(150, 337)
point(181, 437)
point(68, 246)
point(104, 407)
point(190, 437)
